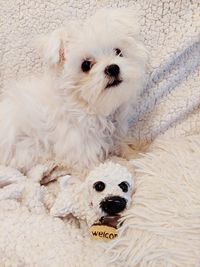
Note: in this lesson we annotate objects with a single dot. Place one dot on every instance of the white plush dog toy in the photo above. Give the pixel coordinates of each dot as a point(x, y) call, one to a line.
point(102, 197)
point(78, 112)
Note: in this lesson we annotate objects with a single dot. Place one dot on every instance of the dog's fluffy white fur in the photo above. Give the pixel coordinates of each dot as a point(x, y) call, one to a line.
point(68, 114)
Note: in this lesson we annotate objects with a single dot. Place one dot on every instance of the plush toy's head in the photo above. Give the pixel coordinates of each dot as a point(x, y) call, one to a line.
point(106, 191)
point(110, 188)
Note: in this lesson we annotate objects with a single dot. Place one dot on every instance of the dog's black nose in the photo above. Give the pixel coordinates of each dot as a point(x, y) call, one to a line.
point(113, 205)
point(112, 70)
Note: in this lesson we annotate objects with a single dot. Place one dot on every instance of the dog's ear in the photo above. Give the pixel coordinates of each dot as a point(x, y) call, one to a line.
point(53, 47)
point(127, 20)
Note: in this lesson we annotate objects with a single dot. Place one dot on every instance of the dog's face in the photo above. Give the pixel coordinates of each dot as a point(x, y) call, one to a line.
point(102, 60)
point(110, 189)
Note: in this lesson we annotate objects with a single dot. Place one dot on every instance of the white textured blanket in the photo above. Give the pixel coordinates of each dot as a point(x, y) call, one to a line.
point(163, 228)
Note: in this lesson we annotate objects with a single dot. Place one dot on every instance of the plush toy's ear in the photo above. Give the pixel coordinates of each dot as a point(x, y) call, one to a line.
point(53, 47)
point(69, 200)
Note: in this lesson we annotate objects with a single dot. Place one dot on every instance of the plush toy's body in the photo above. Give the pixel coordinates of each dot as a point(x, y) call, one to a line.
point(105, 193)
point(98, 202)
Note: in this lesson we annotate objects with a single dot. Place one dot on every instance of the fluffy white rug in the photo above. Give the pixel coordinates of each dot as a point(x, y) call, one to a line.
point(162, 228)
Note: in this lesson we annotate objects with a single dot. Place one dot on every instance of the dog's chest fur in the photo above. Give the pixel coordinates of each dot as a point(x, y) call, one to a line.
point(83, 140)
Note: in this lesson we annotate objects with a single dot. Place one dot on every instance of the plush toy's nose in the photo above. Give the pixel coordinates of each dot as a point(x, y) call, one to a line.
point(113, 205)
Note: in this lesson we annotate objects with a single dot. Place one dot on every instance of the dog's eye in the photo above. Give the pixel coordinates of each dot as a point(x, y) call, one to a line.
point(99, 186)
point(118, 52)
point(124, 186)
point(86, 65)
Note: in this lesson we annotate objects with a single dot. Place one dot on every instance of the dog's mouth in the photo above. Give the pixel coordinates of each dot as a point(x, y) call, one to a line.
point(114, 83)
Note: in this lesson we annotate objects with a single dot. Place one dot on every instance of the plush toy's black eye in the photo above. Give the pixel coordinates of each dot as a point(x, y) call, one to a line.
point(99, 186)
point(118, 52)
point(86, 65)
point(124, 186)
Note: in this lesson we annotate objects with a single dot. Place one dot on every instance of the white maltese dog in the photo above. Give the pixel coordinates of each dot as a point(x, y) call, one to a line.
point(76, 113)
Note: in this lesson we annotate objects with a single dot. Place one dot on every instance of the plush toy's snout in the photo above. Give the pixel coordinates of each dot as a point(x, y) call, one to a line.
point(113, 205)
